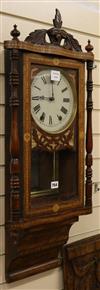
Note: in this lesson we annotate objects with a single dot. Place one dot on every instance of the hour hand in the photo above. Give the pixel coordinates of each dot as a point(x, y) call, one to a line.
point(38, 98)
point(42, 98)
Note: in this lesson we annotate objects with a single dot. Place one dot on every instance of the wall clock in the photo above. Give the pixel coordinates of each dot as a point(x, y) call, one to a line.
point(45, 137)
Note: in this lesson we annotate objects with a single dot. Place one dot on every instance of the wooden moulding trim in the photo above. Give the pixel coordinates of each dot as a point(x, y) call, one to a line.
point(30, 223)
point(48, 49)
point(34, 270)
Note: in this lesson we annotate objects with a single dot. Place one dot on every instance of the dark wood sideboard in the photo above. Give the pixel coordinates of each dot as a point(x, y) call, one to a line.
point(82, 264)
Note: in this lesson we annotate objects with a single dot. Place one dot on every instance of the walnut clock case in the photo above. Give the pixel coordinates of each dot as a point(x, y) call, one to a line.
point(45, 146)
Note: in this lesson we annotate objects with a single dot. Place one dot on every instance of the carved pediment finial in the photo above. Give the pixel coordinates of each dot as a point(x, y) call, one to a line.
point(56, 34)
point(57, 21)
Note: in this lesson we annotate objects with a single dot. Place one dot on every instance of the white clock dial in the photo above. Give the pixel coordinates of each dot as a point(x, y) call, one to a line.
point(52, 101)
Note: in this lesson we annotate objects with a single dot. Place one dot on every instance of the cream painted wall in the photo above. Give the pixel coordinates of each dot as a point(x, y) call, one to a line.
point(82, 19)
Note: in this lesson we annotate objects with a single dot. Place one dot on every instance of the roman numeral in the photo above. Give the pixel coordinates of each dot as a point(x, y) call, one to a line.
point(37, 88)
point(65, 89)
point(44, 80)
point(59, 82)
point(36, 108)
point(59, 117)
point(35, 98)
point(67, 100)
point(50, 120)
point(63, 110)
point(42, 117)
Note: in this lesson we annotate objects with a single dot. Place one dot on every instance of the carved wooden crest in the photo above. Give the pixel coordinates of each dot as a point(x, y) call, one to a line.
point(55, 34)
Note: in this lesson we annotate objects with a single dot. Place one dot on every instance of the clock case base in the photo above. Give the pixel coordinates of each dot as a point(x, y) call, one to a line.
point(35, 239)
point(35, 251)
point(31, 251)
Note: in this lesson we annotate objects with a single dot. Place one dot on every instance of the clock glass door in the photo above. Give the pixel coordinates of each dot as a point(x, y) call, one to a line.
point(44, 172)
point(53, 130)
point(53, 109)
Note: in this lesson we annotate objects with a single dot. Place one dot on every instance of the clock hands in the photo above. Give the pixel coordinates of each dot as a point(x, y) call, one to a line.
point(39, 98)
point(52, 98)
point(42, 98)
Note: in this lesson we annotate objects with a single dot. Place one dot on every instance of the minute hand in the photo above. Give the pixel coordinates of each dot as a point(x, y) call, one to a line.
point(52, 98)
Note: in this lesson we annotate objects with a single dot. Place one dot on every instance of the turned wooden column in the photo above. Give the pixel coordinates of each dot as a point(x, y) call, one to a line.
point(89, 141)
point(15, 198)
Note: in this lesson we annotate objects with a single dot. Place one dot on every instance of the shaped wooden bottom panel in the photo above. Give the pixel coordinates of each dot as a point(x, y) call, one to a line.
point(30, 251)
